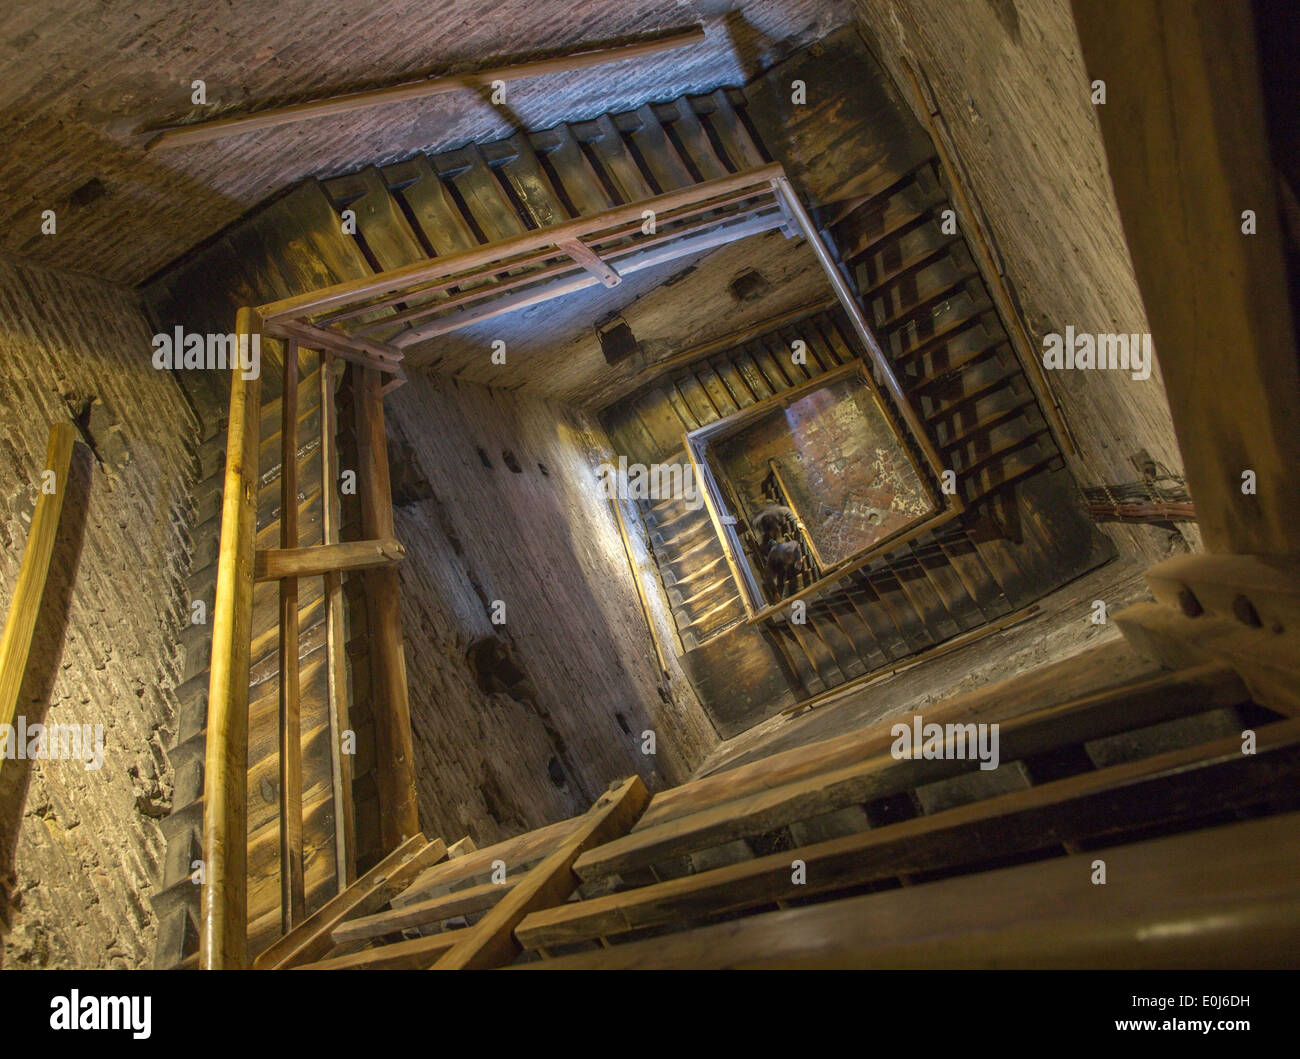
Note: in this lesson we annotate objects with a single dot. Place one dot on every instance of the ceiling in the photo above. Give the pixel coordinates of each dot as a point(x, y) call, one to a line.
point(79, 77)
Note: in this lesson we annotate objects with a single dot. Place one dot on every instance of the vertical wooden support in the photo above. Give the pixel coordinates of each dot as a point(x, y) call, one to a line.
point(25, 604)
point(293, 903)
point(395, 763)
point(335, 636)
point(224, 899)
point(1183, 125)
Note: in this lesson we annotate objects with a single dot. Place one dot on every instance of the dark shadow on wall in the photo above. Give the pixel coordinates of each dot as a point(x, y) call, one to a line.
point(43, 664)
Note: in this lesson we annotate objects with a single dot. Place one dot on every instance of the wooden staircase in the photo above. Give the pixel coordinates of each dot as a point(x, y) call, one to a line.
point(932, 314)
point(404, 213)
point(954, 580)
point(1079, 779)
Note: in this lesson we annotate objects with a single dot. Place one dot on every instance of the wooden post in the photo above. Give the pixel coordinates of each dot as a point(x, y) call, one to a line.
point(293, 902)
point(224, 899)
point(335, 636)
point(1183, 125)
point(395, 763)
point(25, 604)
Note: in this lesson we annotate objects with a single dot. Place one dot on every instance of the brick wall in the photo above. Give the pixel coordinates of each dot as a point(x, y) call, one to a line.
point(533, 531)
point(87, 841)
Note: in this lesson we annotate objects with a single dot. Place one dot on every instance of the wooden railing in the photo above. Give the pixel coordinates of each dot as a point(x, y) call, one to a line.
point(224, 900)
point(25, 604)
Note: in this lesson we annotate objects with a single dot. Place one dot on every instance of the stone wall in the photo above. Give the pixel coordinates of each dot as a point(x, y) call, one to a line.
point(1009, 81)
point(511, 511)
point(87, 841)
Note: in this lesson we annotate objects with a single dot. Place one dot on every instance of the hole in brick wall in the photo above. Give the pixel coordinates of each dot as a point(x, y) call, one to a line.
point(510, 460)
point(622, 723)
point(483, 458)
point(749, 286)
point(496, 671)
point(409, 485)
point(556, 771)
point(542, 467)
point(617, 342)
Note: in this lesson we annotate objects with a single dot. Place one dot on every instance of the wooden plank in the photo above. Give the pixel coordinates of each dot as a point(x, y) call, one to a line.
point(395, 755)
point(491, 942)
point(514, 852)
point(335, 636)
point(223, 899)
point(25, 603)
point(278, 564)
point(1187, 150)
point(1179, 785)
point(413, 955)
point(424, 913)
point(293, 900)
point(1223, 896)
point(880, 774)
point(311, 939)
point(205, 131)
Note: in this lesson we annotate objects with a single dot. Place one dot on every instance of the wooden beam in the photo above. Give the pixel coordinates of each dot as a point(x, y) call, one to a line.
point(1091, 717)
point(516, 852)
point(591, 261)
point(335, 636)
point(1183, 126)
point(311, 939)
point(223, 900)
point(1178, 785)
point(394, 753)
point(274, 564)
point(25, 603)
point(352, 348)
point(1239, 610)
point(206, 131)
point(491, 942)
point(293, 899)
point(425, 913)
point(1223, 896)
point(412, 955)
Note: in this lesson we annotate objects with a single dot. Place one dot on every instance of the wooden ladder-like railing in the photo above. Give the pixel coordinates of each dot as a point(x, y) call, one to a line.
point(241, 565)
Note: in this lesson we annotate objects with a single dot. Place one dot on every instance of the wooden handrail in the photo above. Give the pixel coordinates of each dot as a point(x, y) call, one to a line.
point(346, 103)
point(224, 898)
point(25, 605)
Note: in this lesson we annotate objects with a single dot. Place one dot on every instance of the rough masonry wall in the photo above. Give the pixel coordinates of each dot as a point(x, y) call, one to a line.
point(87, 841)
point(1009, 81)
point(516, 515)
